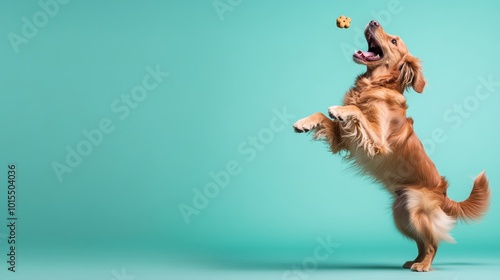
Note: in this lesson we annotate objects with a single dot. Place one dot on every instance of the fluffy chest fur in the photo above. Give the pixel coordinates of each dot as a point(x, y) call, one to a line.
point(387, 134)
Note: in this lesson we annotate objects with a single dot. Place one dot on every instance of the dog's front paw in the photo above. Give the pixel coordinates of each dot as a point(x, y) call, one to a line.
point(304, 125)
point(420, 267)
point(338, 113)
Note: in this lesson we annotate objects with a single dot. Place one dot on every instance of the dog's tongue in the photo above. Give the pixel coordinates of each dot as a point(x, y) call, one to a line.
point(366, 55)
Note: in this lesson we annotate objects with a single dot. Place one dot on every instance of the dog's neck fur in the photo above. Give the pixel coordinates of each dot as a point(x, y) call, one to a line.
point(382, 76)
point(388, 80)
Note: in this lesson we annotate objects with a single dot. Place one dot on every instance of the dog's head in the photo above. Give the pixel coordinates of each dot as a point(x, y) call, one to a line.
point(388, 54)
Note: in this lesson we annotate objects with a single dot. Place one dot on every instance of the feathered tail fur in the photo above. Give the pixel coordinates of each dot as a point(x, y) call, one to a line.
point(474, 207)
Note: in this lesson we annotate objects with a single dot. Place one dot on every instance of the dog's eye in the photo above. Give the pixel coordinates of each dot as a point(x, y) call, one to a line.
point(394, 42)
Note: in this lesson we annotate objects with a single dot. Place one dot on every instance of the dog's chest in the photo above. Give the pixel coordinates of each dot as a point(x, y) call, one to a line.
point(352, 98)
point(367, 164)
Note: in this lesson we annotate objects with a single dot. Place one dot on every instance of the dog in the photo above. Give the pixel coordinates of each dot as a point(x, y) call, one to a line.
point(373, 132)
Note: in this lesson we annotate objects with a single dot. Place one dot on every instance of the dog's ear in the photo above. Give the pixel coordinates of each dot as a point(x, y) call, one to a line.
point(410, 74)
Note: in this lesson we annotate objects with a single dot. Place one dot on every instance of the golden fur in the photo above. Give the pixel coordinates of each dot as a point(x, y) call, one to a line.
point(372, 128)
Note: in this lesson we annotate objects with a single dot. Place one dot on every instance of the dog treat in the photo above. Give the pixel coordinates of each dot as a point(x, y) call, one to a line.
point(343, 22)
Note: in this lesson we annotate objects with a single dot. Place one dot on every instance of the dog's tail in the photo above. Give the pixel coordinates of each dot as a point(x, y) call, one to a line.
point(475, 206)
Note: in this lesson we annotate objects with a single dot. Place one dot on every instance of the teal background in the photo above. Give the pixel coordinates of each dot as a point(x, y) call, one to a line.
point(120, 206)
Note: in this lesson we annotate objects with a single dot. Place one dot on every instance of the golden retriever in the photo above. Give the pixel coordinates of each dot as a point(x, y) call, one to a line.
point(372, 129)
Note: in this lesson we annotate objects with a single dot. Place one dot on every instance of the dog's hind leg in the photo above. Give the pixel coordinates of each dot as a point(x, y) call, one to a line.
point(420, 257)
point(418, 215)
point(323, 128)
point(401, 216)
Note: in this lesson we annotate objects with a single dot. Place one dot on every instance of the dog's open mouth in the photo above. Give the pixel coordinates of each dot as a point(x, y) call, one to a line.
point(374, 52)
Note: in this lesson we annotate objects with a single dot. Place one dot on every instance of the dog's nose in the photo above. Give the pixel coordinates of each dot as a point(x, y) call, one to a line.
point(374, 23)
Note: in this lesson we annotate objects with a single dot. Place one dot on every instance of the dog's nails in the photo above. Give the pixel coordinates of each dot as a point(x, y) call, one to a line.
point(297, 130)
